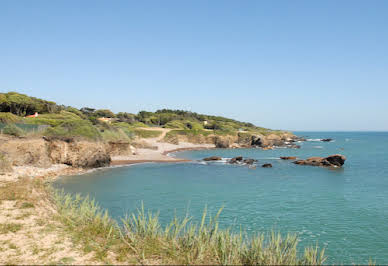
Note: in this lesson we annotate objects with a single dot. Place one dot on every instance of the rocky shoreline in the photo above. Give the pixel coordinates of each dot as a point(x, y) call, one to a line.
point(51, 157)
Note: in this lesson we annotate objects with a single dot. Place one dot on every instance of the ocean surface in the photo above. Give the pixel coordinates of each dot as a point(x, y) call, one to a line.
point(344, 210)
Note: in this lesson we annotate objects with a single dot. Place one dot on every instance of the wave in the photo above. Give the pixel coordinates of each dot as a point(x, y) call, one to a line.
point(319, 140)
point(314, 140)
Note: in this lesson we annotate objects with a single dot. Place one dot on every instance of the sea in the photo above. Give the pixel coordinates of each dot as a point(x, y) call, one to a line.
point(343, 210)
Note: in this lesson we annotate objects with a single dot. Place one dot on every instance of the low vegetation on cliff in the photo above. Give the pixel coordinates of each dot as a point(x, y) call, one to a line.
point(103, 124)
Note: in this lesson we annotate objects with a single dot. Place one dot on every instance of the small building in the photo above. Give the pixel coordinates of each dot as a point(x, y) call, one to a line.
point(34, 115)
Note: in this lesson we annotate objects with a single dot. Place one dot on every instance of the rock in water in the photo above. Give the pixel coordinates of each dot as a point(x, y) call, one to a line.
point(237, 159)
point(213, 158)
point(249, 161)
point(326, 140)
point(267, 165)
point(336, 160)
point(288, 157)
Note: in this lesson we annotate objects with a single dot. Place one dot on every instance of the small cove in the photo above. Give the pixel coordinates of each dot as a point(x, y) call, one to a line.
point(344, 210)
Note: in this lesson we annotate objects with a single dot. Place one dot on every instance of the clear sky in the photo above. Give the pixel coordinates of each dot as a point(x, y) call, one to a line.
point(297, 65)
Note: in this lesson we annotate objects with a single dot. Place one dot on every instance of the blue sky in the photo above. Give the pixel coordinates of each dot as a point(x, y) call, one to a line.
point(297, 65)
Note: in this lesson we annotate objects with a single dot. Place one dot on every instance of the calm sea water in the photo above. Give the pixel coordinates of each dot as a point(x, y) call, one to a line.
point(344, 210)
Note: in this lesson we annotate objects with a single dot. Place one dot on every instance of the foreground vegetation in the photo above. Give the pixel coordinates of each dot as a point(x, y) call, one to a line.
point(142, 239)
point(65, 121)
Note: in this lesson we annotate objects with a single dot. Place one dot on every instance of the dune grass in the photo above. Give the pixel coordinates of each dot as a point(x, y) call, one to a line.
point(142, 239)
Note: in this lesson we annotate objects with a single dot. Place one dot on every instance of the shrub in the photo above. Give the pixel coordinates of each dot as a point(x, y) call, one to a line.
point(13, 130)
point(75, 128)
point(142, 133)
point(9, 118)
point(176, 124)
point(53, 119)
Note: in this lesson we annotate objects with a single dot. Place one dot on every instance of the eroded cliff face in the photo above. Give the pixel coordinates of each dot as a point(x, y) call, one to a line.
point(41, 152)
point(241, 140)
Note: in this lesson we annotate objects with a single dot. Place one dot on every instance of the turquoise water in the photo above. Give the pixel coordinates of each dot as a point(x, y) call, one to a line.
point(344, 210)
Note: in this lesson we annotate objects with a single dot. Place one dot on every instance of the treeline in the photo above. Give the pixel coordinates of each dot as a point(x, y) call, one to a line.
point(22, 105)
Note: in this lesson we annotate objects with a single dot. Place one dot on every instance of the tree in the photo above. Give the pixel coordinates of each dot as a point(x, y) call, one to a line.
point(105, 113)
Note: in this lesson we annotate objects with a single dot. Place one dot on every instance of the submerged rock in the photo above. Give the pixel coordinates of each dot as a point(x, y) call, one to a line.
point(267, 165)
point(213, 158)
point(288, 157)
point(336, 160)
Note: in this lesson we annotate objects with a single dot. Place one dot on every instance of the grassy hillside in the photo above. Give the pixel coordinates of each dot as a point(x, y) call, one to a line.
point(66, 121)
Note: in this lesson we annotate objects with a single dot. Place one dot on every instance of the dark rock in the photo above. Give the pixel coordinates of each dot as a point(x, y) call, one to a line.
point(267, 165)
point(213, 158)
point(326, 140)
point(256, 141)
point(288, 157)
point(336, 160)
point(249, 161)
point(99, 159)
point(237, 159)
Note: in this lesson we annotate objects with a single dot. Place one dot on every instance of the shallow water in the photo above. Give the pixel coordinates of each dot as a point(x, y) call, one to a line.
point(344, 210)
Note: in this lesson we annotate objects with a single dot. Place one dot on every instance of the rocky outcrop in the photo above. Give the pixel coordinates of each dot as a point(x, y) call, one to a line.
point(213, 158)
point(21, 152)
point(266, 142)
point(119, 148)
point(83, 154)
point(222, 142)
point(336, 160)
point(267, 165)
point(43, 152)
point(326, 140)
point(241, 160)
point(288, 157)
point(237, 159)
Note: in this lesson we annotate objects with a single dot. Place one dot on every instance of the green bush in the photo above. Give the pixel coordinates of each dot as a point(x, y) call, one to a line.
point(142, 133)
point(9, 118)
point(13, 130)
point(53, 119)
point(178, 124)
point(75, 128)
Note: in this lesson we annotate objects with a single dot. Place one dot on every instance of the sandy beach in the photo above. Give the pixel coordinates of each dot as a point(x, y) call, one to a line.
point(160, 151)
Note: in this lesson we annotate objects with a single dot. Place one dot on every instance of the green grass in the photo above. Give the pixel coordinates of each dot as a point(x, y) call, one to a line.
point(74, 129)
point(147, 133)
point(142, 239)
